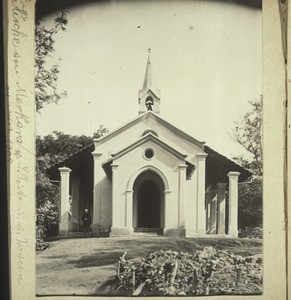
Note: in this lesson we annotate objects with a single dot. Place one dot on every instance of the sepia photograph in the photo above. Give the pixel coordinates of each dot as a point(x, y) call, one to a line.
point(149, 162)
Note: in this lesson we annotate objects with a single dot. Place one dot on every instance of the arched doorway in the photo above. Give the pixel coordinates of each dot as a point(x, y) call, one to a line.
point(148, 202)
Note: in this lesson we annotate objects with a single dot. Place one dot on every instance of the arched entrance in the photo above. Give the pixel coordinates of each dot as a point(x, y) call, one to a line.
point(148, 202)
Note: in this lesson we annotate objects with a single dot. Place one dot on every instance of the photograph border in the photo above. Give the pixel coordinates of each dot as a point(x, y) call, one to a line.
point(20, 124)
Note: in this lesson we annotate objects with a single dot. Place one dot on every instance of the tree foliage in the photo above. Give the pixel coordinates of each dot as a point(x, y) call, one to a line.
point(55, 147)
point(250, 203)
point(46, 76)
point(248, 133)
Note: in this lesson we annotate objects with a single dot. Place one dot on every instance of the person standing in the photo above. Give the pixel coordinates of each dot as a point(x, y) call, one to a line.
point(87, 221)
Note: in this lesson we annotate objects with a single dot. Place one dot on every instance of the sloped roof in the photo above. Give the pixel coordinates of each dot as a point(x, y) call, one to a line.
point(218, 166)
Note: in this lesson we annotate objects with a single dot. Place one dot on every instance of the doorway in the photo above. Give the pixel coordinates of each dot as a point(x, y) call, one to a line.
point(148, 205)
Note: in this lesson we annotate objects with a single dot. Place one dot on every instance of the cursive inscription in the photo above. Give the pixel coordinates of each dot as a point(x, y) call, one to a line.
point(18, 127)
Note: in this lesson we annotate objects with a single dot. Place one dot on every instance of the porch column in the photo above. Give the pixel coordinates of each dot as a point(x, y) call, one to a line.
point(233, 203)
point(221, 207)
point(182, 179)
point(65, 202)
point(201, 211)
point(208, 208)
point(115, 189)
point(213, 212)
point(97, 193)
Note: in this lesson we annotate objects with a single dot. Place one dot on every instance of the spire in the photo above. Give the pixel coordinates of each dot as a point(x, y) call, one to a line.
point(149, 90)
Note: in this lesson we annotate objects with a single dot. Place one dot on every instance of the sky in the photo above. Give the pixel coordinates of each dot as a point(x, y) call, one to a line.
point(206, 59)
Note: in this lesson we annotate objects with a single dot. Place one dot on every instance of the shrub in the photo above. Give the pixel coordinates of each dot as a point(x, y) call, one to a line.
point(252, 232)
point(47, 210)
point(250, 204)
point(40, 243)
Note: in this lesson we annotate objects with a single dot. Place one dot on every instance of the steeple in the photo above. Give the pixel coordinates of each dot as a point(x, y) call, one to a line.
point(149, 95)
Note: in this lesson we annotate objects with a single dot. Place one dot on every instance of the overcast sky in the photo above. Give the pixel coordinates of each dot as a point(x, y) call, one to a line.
point(206, 57)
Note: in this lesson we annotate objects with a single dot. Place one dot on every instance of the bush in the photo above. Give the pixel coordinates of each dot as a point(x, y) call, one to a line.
point(40, 243)
point(204, 272)
point(250, 204)
point(251, 232)
point(47, 210)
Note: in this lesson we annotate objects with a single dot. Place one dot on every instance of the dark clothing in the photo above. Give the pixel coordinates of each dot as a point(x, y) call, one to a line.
point(86, 218)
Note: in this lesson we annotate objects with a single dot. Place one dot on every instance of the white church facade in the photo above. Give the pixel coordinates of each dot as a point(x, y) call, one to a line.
point(149, 176)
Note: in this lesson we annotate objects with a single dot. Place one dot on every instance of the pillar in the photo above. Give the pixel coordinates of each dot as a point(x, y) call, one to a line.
point(129, 213)
point(119, 227)
point(221, 211)
point(64, 201)
point(208, 210)
point(233, 203)
point(201, 210)
point(213, 213)
point(182, 179)
point(97, 193)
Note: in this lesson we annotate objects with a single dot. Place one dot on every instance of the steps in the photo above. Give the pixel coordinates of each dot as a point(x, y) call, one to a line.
point(147, 231)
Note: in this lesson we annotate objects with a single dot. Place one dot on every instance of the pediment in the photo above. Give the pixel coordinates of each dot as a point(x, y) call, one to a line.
point(146, 138)
point(154, 140)
point(148, 118)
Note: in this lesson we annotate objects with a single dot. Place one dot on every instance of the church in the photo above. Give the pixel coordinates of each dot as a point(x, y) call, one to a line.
point(149, 176)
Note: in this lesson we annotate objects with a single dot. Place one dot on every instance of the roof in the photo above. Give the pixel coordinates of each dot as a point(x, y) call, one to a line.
point(217, 165)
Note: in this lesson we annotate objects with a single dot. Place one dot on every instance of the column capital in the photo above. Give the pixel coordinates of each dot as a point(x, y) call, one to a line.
point(96, 154)
point(64, 170)
point(182, 166)
point(233, 174)
point(114, 167)
point(201, 156)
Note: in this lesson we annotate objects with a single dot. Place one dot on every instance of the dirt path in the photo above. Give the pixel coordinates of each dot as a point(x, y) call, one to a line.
point(80, 266)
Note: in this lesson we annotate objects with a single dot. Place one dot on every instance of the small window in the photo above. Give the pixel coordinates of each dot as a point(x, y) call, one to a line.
point(149, 153)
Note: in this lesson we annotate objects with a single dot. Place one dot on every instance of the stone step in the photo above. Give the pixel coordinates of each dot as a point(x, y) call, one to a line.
point(147, 231)
point(78, 233)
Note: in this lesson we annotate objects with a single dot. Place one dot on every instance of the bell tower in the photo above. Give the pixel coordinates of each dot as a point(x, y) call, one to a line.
point(149, 96)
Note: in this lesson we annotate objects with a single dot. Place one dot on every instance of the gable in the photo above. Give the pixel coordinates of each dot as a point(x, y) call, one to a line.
point(135, 154)
point(134, 130)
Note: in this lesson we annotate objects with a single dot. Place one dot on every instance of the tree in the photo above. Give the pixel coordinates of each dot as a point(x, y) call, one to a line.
point(248, 133)
point(55, 147)
point(46, 90)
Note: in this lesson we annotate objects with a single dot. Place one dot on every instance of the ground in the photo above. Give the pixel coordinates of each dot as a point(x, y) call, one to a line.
point(81, 266)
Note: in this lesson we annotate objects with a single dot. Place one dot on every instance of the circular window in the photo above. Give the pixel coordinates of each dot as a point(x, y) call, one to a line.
point(149, 153)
